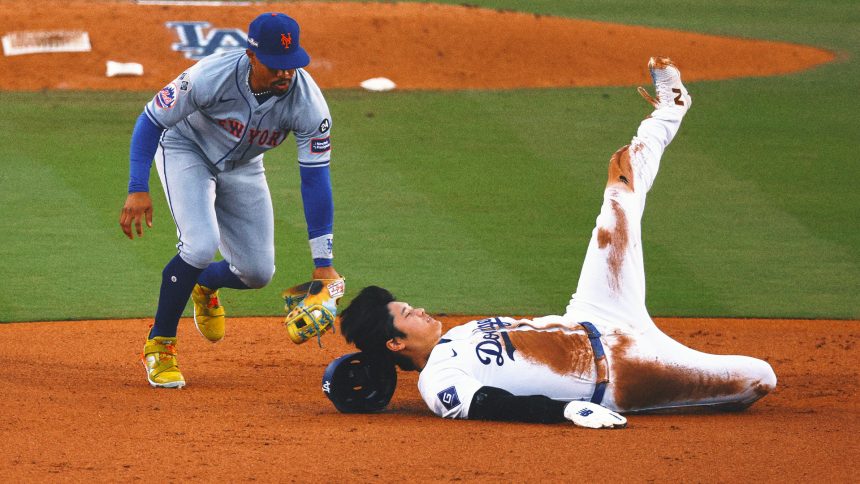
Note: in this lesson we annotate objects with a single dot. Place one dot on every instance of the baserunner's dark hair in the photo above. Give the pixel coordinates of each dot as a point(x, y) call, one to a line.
point(368, 324)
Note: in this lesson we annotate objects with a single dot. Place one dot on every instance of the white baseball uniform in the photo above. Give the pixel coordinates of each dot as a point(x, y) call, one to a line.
point(642, 369)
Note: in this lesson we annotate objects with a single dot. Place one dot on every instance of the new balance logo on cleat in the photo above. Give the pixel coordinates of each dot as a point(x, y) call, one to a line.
point(678, 100)
point(585, 412)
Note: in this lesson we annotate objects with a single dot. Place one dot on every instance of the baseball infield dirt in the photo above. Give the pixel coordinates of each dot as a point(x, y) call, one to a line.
point(76, 405)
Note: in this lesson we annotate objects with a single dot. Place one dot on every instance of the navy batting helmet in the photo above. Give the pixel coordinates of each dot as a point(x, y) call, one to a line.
point(360, 382)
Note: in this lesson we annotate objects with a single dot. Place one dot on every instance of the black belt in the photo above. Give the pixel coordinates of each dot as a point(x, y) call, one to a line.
point(599, 361)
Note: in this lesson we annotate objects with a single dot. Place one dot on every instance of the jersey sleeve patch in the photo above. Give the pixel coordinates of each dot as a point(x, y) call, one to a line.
point(449, 399)
point(320, 145)
point(166, 98)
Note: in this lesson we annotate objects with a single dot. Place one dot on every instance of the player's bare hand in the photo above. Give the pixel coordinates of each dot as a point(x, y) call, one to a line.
point(325, 273)
point(137, 209)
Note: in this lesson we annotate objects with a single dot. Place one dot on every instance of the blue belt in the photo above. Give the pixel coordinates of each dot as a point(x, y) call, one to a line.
point(599, 361)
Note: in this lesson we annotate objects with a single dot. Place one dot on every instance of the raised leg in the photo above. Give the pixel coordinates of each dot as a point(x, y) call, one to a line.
point(611, 287)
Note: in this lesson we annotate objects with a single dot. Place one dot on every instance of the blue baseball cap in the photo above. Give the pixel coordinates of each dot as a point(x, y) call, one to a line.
point(274, 39)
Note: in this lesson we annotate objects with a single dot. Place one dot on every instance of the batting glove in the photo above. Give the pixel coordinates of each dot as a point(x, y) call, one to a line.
point(593, 416)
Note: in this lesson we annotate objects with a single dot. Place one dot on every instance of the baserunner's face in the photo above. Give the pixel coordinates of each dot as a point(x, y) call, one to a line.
point(421, 329)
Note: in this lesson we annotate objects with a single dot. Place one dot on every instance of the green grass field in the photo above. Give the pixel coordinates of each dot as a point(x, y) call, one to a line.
point(483, 202)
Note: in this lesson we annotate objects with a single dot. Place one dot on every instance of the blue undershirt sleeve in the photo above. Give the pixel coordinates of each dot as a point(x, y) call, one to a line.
point(144, 143)
point(318, 204)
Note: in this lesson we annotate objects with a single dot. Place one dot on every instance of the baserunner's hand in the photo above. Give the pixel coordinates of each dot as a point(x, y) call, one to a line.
point(593, 416)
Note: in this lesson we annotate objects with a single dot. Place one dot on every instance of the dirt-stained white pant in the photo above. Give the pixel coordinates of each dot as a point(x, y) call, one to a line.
point(648, 370)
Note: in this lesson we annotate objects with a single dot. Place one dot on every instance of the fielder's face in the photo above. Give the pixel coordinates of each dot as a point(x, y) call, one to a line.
point(267, 79)
point(421, 330)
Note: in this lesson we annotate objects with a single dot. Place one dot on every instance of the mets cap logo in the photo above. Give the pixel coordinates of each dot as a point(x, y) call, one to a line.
point(286, 40)
point(166, 98)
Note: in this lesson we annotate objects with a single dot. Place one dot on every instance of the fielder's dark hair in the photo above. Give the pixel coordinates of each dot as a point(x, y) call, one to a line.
point(368, 324)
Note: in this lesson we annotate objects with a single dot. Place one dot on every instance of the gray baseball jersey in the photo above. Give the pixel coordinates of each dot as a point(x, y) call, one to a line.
point(210, 159)
point(211, 105)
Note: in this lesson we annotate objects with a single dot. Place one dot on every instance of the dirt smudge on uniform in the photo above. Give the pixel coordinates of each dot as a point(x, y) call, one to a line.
point(617, 240)
point(620, 170)
point(642, 385)
point(563, 352)
point(604, 237)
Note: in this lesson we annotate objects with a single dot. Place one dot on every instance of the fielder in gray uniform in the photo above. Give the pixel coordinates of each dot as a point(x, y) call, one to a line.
point(603, 357)
point(207, 131)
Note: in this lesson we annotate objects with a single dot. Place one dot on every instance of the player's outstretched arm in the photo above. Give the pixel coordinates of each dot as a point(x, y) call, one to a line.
point(137, 208)
point(491, 403)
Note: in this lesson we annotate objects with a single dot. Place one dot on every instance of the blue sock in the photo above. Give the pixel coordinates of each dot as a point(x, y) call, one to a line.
point(177, 282)
point(219, 275)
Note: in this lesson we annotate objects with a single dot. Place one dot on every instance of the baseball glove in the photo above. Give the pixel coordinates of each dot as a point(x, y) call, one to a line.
point(311, 308)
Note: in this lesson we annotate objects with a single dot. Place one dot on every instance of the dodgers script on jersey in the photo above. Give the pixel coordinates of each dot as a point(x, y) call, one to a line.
point(210, 108)
point(546, 356)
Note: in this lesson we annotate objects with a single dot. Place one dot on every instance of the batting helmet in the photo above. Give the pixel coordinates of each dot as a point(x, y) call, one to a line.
point(360, 382)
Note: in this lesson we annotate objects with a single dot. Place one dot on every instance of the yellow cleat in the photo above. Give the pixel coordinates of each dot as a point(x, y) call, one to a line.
point(159, 358)
point(208, 313)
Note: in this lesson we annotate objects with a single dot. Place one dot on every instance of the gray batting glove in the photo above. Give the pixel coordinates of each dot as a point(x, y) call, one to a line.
point(593, 416)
